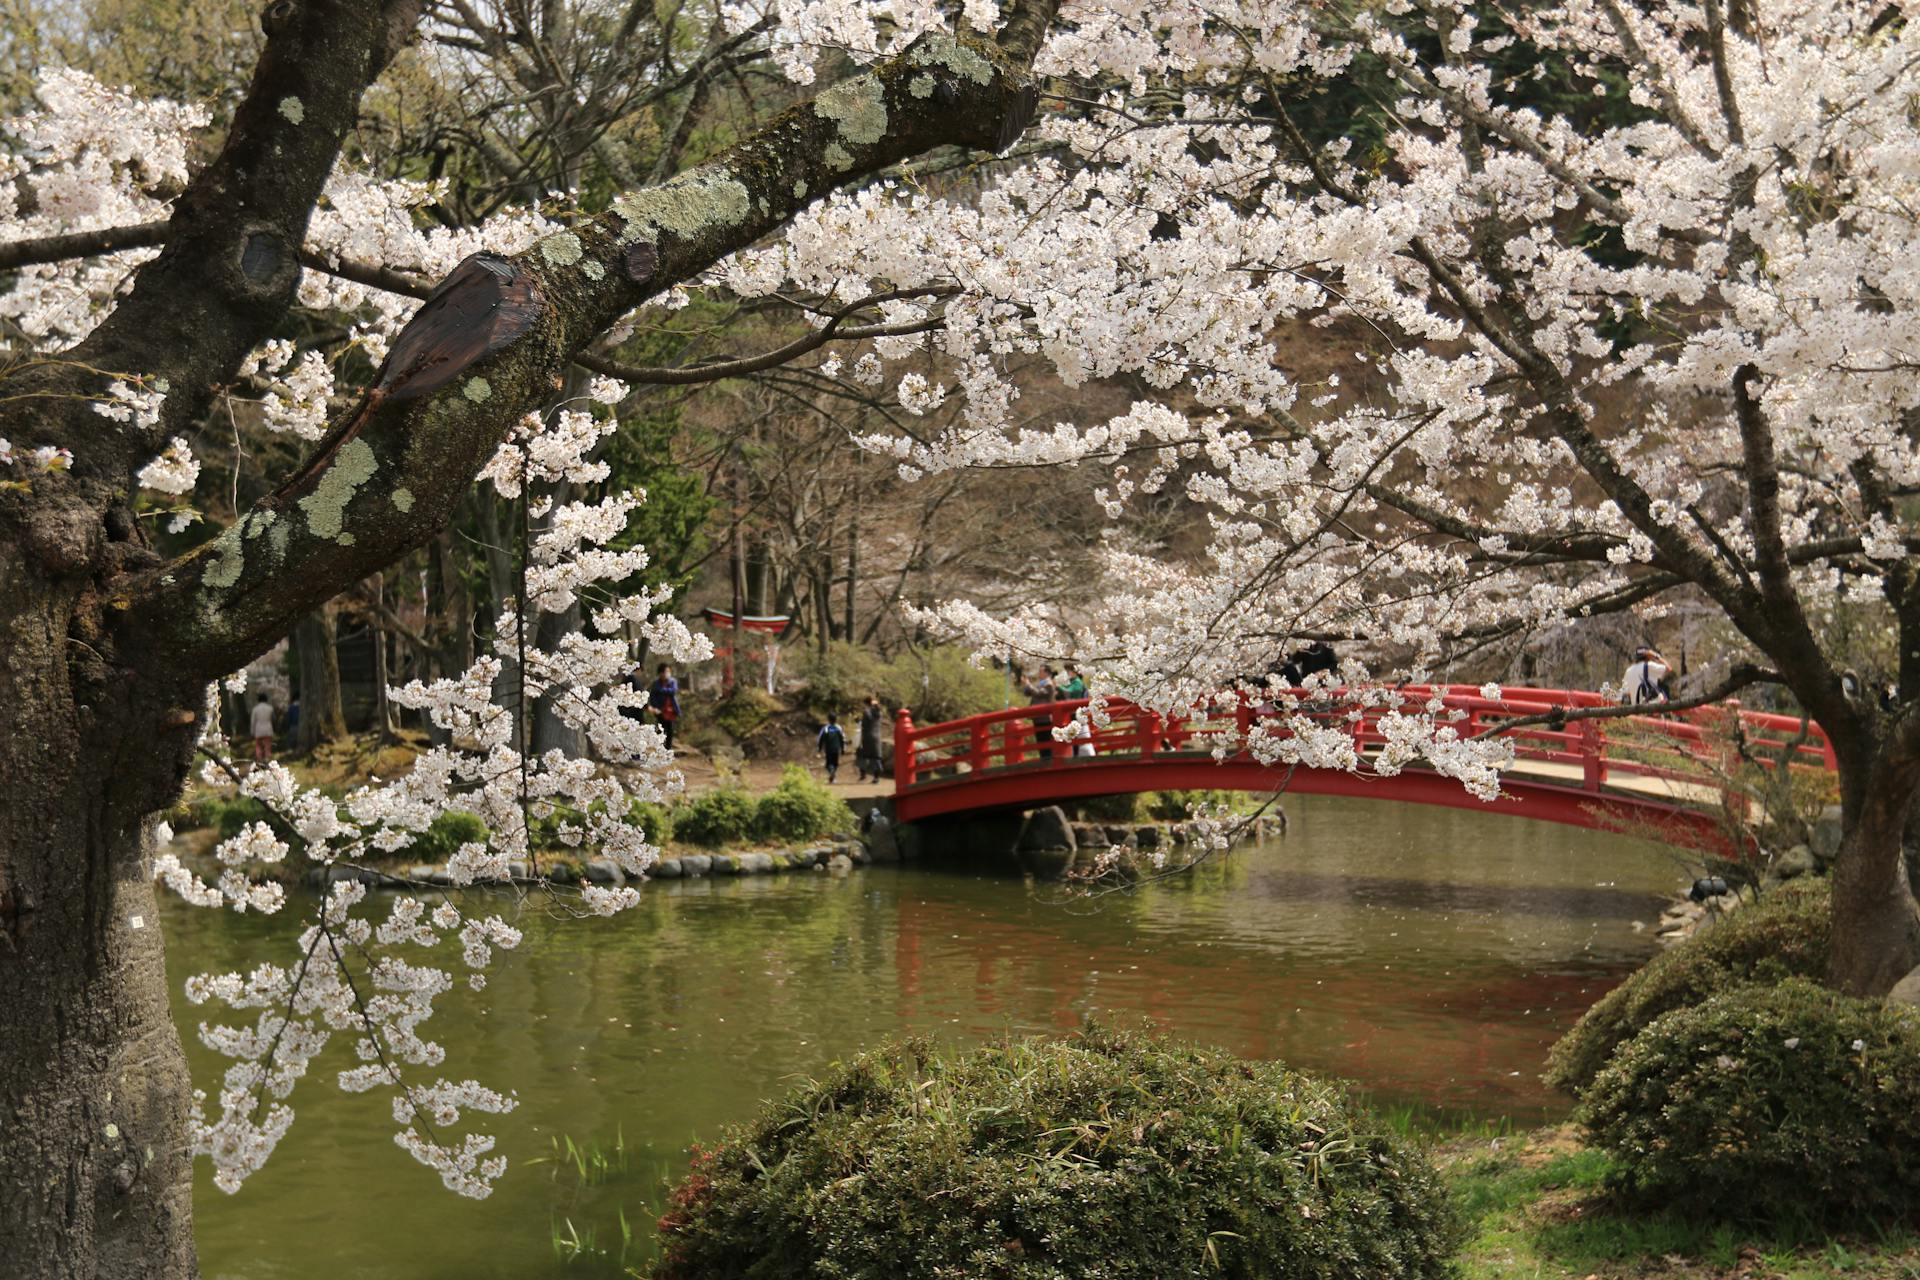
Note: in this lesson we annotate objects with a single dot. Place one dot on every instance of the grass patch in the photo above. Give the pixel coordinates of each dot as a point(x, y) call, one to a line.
point(1536, 1208)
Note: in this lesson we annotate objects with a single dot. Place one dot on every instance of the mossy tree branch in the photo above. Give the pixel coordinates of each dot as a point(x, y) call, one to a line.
point(392, 475)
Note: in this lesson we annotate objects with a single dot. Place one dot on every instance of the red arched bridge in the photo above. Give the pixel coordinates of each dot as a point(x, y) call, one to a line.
point(1667, 773)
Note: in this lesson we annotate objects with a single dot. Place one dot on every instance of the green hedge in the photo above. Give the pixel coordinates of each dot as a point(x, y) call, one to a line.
point(1782, 934)
point(724, 815)
point(800, 809)
point(1103, 1155)
point(1790, 1101)
point(654, 819)
point(443, 838)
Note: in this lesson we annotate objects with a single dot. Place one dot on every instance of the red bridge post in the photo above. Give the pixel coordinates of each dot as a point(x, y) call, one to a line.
point(902, 749)
point(1593, 765)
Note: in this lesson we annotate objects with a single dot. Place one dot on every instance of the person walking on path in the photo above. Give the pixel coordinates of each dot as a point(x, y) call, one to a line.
point(663, 699)
point(833, 740)
point(1641, 682)
point(262, 727)
point(867, 758)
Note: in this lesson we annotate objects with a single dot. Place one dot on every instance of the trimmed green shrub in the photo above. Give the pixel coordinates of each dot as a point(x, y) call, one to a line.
point(1783, 934)
point(228, 814)
point(1104, 1154)
point(654, 819)
point(800, 809)
point(1783, 1101)
point(443, 838)
point(721, 816)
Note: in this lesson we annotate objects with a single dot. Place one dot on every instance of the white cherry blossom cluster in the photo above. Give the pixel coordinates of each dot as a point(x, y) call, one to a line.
point(1760, 199)
point(354, 976)
point(44, 457)
point(88, 158)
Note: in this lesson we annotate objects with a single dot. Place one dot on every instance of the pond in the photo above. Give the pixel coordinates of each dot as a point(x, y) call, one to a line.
point(1430, 955)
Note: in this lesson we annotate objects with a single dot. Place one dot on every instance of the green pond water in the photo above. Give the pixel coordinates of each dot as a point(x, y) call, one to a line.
point(1430, 955)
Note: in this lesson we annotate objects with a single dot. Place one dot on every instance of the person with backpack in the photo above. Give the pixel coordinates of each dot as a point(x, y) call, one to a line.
point(832, 741)
point(1642, 681)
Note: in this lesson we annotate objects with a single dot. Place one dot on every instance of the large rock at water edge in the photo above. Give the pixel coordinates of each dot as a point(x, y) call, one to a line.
point(1046, 828)
point(1794, 863)
point(1826, 833)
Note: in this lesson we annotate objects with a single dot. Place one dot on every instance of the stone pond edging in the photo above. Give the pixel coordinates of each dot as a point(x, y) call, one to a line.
point(1049, 846)
point(837, 854)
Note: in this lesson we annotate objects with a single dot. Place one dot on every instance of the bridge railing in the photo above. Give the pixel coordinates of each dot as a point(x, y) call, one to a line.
point(1693, 746)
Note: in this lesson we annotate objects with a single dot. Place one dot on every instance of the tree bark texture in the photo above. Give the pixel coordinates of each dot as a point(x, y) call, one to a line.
point(95, 1178)
point(1876, 933)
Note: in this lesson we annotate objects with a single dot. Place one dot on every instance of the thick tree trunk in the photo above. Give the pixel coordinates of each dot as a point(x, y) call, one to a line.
point(322, 718)
point(382, 668)
point(1876, 922)
point(853, 560)
point(95, 1177)
point(550, 732)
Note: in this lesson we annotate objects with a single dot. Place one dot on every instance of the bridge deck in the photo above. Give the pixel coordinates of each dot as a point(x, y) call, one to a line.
point(1672, 772)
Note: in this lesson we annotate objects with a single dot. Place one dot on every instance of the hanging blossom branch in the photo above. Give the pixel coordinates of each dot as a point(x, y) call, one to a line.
point(485, 769)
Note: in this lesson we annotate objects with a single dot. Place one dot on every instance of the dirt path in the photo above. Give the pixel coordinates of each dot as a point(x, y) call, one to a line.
point(761, 776)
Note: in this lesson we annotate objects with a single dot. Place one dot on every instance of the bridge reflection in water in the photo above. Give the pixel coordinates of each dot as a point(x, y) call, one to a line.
point(1427, 953)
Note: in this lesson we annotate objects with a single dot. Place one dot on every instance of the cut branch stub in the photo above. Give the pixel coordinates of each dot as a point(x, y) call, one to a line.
point(642, 261)
point(485, 304)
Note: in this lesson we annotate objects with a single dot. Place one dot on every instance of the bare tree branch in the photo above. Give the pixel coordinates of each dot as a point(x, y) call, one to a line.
point(81, 244)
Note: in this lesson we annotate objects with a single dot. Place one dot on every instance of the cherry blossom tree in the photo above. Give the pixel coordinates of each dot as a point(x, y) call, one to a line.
point(1596, 364)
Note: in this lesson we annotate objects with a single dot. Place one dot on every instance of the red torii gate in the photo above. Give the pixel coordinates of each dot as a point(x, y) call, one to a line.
point(1587, 773)
point(772, 626)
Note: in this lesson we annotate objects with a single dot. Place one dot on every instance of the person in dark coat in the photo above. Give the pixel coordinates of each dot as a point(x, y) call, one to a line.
point(867, 757)
point(1312, 660)
point(663, 699)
